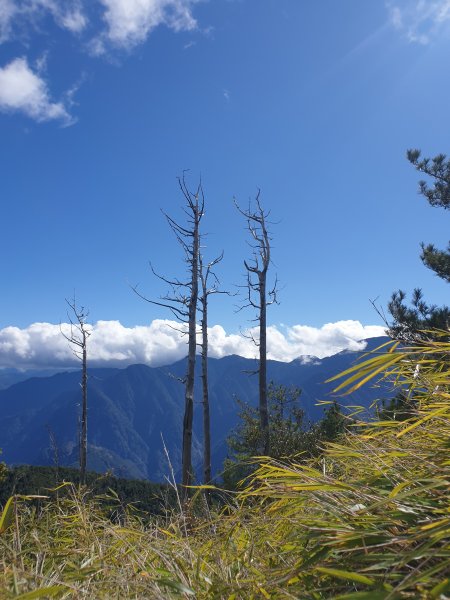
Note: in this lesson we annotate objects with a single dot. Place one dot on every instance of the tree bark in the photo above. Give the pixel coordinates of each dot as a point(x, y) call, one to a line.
point(206, 417)
point(257, 287)
point(192, 347)
point(83, 435)
point(78, 337)
point(182, 301)
point(263, 408)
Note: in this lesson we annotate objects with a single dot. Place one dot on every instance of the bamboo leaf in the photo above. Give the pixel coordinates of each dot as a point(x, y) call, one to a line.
point(423, 420)
point(371, 373)
point(372, 595)
point(347, 575)
point(176, 585)
point(440, 588)
point(47, 592)
point(7, 516)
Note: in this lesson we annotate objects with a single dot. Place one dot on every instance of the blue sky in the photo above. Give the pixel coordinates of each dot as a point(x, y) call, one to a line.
point(104, 103)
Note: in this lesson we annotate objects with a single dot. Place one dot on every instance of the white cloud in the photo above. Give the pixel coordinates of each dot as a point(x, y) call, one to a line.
point(129, 22)
point(68, 14)
point(330, 338)
point(419, 20)
point(22, 90)
point(111, 24)
point(125, 23)
point(73, 20)
point(41, 345)
point(7, 12)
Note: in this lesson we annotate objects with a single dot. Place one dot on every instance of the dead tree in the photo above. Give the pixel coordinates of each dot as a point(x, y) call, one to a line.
point(206, 275)
point(182, 300)
point(79, 333)
point(260, 297)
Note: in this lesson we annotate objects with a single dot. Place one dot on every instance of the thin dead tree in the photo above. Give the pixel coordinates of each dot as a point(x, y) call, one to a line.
point(259, 297)
point(79, 334)
point(182, 300)
point(209, 285)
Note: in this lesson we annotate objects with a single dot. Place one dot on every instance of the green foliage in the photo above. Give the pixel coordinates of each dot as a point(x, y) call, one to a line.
point(399, 408)
point(438, 168)
point(31, 480)
point(287, 425)
point(289, 435)
point(438, 194)
point(414, 322)
point(3, 471)
point(437, 260)
point(333, 425)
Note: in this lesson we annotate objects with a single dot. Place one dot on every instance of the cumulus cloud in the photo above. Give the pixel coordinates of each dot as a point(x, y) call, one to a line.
point(129, 22)
point(23, 90)
point(419, 20)
point(330, 338)
point(111, 24)
point(41, 345)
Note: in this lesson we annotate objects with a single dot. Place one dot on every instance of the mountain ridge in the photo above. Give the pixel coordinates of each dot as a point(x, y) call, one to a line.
point(136, 413)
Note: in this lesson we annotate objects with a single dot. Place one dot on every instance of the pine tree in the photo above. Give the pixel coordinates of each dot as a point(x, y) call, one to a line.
point(438, 194)
point(410, 323)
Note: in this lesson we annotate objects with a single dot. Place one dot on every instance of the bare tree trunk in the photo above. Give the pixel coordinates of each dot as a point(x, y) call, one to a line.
point(83, 440)
point(205, 273)
point(206, 417)
point(259, 298)
point(192, 347)
point(262, 373)
point(182, 301)
point(79, 333)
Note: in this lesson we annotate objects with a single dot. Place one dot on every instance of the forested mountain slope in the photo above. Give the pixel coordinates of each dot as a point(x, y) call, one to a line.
point(132, 410)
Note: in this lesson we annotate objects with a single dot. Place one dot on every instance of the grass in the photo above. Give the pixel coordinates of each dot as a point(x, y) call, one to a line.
point(368, 520)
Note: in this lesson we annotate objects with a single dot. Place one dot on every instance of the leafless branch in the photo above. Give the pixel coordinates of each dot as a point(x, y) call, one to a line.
point(178, 313)
point(380, 312)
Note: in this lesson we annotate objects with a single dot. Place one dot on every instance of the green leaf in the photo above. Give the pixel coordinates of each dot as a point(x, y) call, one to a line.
point(372, 595)
point(47, 592)
point(440, 588)
point(7, 516)
point(347, 575)
point(176, 586)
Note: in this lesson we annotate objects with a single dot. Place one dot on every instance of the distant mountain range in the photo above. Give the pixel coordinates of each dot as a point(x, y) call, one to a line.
point(136, 413)
point(10, 376)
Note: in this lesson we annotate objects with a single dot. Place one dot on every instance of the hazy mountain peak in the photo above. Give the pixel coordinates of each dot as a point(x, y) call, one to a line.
point(306, 359)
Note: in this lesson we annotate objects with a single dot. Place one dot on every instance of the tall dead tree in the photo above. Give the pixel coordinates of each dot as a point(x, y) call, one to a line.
point(79, 333)
point(259, 297)
point(207, 288)
point(182, 300)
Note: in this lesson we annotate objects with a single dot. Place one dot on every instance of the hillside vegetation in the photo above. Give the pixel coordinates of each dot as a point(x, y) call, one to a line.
point(137, 411)
point(152, 498)
point(369, 519)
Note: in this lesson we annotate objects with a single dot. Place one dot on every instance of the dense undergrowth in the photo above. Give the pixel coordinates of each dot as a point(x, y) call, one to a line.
point(369, 519)
point(118, 493)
